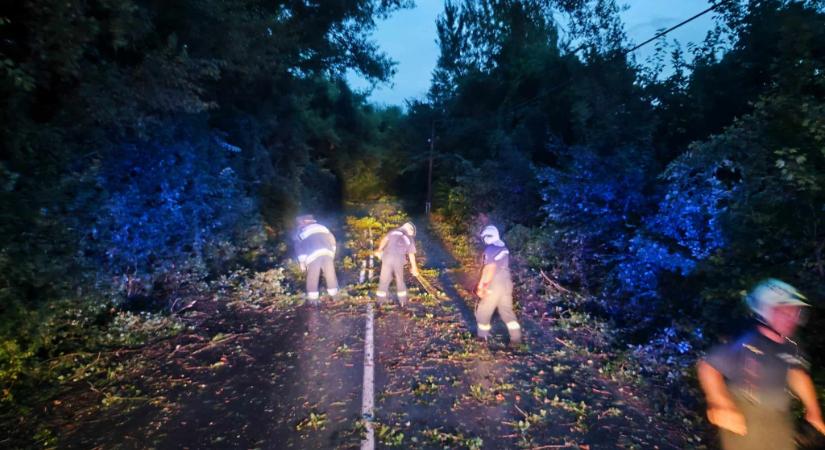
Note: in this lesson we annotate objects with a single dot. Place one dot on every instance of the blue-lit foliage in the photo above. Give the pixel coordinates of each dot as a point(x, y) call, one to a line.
point(620, 233)
point(695, 199)
point(638, 272)
point(684, 231)
point(594, 205)
point(170, 205)
point(593, 189)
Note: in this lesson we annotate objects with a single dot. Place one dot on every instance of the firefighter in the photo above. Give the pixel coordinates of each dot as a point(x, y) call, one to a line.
point(393, 250)
point(495, 288)
point(315, 246)
point(748, 383)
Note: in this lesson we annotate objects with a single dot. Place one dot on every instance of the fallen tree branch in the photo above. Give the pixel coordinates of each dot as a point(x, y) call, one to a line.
point(545, 447)
point(213, 344)
point(69, 355)
point(185, 308)
point(564, 343)
point(553, 283)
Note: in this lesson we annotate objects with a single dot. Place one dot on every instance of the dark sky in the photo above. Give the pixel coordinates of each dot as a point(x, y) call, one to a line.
point(408, 37)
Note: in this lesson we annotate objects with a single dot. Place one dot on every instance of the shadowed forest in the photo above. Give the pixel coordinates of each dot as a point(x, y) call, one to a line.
point(155, 155)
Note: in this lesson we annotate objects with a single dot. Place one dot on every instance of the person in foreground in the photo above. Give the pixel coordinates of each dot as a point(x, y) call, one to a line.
point(747, 382)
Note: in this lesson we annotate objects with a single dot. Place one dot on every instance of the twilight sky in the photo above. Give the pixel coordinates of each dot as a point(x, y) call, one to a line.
point(408, 37)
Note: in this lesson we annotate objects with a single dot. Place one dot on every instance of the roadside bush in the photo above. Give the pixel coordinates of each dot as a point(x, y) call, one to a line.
point(169, 203)
point(139, 328)
point(594, 204)
point(531, 247)
point(15, 363)
point(250, 286)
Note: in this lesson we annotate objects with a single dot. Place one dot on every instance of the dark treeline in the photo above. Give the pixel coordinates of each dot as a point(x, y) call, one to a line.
point(662, 189)
point(148, 146)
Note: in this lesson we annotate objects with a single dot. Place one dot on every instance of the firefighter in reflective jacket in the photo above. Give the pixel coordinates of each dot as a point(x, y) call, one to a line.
point(495, 288)
point(315, 246)
point(393, 250)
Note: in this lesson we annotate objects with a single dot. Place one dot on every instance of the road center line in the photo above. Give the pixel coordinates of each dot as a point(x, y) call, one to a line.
point(367, 401)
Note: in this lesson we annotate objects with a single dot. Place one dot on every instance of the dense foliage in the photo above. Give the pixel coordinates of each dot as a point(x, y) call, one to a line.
point(150, 147)
point(154, 150)
point(663, 189)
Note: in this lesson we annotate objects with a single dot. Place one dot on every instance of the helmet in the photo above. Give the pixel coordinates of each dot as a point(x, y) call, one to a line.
point(409, 228)
point(772, 292)
point(490, 235)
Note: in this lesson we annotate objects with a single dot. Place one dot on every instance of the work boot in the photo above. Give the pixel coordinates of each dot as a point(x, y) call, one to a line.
point(335, 294)
point(518, 346)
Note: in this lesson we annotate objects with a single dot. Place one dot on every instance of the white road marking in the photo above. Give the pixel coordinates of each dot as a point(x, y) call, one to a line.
point(367, 401)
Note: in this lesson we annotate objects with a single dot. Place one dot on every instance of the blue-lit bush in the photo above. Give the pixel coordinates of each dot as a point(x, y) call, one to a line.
point(684, 231)
point(629, 238)
point(637, 273)
point(172, 207)
point(594, 204)
point(690, 211)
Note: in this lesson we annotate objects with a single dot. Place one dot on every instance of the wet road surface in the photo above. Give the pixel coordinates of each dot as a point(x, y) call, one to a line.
point(290, 377)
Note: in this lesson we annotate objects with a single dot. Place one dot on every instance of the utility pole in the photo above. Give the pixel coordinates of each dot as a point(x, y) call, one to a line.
point(429, 204)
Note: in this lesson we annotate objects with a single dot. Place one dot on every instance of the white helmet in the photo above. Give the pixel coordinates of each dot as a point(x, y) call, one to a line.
point(771, 293)
point(409, 228)
point(490, 235)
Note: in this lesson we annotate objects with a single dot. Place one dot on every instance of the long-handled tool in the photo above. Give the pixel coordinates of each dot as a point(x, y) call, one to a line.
point(429, 287)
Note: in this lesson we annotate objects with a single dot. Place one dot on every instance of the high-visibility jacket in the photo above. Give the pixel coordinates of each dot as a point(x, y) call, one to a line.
point(313, 241)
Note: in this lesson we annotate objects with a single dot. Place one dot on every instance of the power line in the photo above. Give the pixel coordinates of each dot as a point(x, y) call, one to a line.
point(562, 85)
point(623, 53)
point(678, 25)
